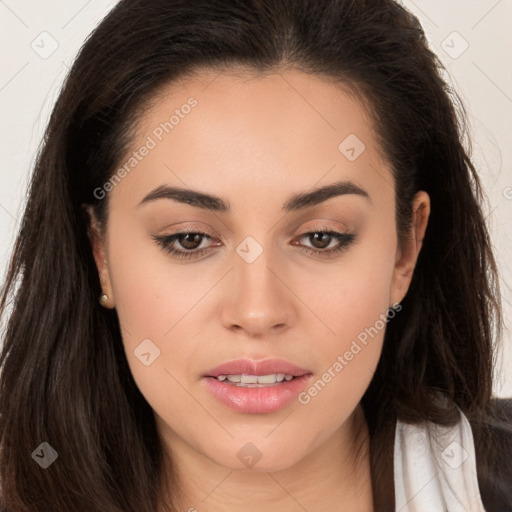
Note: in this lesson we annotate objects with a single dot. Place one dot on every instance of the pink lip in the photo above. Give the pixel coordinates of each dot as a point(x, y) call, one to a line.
point(252, 367)
point(254, 400)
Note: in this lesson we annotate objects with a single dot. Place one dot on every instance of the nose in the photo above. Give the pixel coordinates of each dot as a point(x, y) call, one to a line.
point(258, 300)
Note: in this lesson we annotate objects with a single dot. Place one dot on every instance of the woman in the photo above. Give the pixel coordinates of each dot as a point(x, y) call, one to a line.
point(253, 272)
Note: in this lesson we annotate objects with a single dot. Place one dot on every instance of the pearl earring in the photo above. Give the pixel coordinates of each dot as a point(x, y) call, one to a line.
point(104, 299)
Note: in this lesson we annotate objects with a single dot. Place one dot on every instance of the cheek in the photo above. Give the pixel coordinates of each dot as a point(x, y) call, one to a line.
point(152, 300)
point(352, 304)
point(354, 293)
point(152, 294)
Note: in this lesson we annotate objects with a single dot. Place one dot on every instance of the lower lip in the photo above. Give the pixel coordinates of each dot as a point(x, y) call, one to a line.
point(257, 400)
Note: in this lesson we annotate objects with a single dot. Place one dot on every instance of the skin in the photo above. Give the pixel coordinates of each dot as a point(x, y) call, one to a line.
point(255, 141)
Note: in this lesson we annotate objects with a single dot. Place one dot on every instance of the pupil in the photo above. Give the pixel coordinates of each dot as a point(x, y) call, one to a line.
point(187, 243)
point(326, 239)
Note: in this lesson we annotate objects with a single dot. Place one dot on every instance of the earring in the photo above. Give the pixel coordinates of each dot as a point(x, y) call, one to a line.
point(104, 299)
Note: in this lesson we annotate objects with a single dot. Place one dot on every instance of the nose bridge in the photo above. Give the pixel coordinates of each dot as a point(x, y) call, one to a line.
point(252, 268)
point(258, 300)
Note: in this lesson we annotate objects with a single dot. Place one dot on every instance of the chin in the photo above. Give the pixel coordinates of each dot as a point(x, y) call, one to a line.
point(248, 458)
point(269, 466)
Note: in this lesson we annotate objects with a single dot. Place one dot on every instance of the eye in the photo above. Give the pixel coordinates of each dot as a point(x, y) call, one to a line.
point(322, 238)
point(191, 241)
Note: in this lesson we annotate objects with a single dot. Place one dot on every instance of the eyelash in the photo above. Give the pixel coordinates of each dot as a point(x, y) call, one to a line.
point(167, 242)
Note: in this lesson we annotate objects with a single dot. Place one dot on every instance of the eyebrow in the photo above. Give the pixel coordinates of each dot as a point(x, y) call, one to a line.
point(294, 203)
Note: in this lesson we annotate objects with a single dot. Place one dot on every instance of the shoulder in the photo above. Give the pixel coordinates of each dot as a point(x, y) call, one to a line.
point(493, 450)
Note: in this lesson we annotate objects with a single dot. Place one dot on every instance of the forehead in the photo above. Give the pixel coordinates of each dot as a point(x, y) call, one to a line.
point(283, 130)
point(286, 105)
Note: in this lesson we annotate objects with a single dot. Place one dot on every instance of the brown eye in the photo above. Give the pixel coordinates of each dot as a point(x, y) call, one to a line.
point(322, 241)
point(186, 245)
point(190, 240)
point(322, 238)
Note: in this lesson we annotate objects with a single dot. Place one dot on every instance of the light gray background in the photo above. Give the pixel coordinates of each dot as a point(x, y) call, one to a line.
point(473, 38)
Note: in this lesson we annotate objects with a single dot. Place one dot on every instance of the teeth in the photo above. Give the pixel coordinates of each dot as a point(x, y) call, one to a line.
point(241, 379)
point(263, 379)
point(251, 379)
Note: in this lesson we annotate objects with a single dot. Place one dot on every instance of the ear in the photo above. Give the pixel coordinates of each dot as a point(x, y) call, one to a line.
point(409, 249)
point(96, 237)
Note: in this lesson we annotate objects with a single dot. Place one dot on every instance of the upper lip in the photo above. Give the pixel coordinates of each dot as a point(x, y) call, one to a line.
point(253, 367)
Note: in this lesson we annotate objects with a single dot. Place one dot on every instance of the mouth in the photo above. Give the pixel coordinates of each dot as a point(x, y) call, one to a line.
point(250, 371)
point(255, 381)
point(250, 386)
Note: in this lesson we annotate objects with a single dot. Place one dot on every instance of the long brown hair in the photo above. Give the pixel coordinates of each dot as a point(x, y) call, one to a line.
point(64, 375)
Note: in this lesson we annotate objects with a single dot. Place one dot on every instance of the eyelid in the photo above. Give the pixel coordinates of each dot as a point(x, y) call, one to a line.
point(326, 226)
point(189, 229)
point(344, 240)
point(213, 234)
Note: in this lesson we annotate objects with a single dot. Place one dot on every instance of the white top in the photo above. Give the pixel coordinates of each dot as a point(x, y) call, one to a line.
point(435, 468)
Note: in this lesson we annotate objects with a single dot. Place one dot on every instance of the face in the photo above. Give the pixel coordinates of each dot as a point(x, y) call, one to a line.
point(270, 268)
